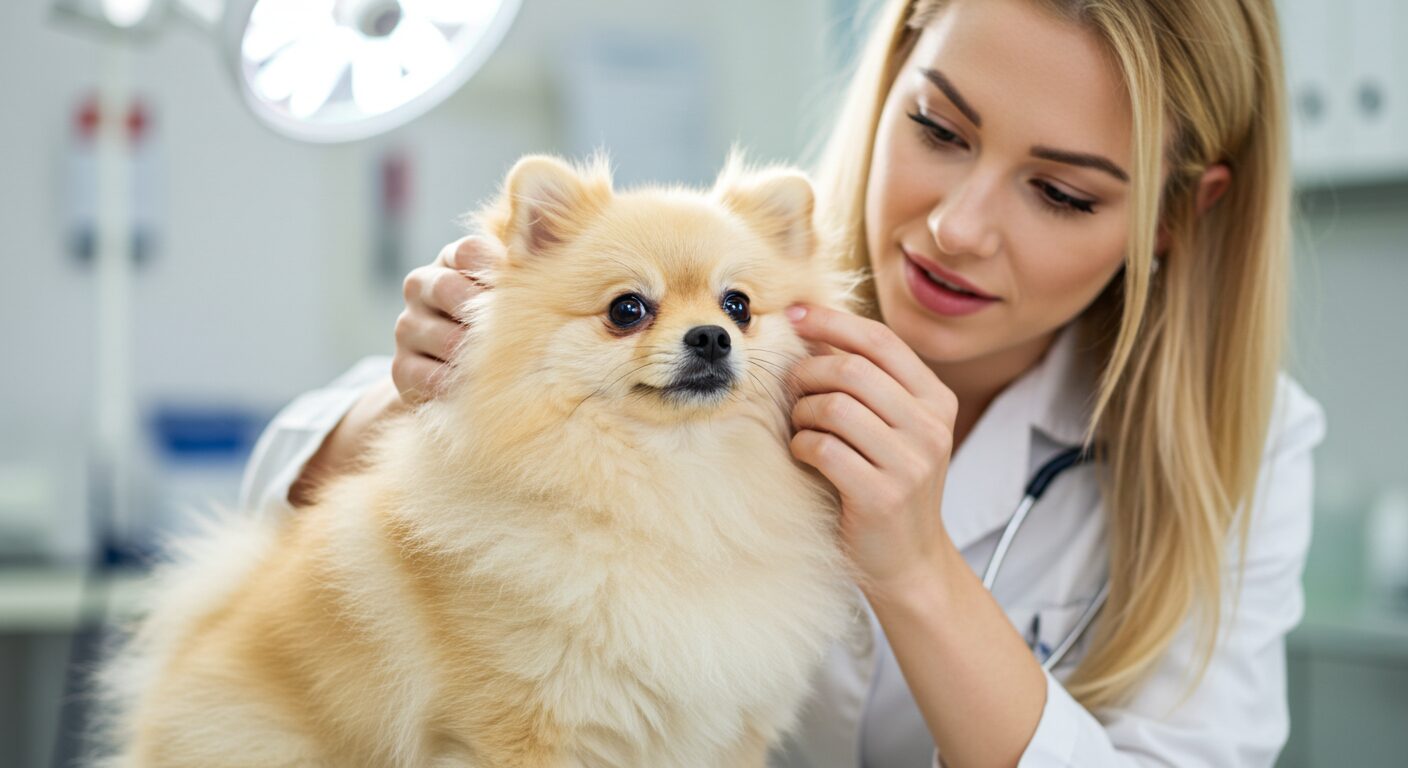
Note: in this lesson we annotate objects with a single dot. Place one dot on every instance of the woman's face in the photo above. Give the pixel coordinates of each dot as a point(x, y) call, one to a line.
point(1000, 166)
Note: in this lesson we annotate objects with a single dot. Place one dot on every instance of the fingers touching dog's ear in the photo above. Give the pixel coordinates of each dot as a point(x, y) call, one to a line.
point(548, 201)
point(777, 203)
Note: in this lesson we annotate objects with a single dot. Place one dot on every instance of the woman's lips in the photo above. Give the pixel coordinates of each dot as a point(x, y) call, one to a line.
point(925, 283)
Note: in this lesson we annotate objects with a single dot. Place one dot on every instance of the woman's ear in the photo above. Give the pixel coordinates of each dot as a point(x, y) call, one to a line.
point(777, 203)
point(546, 202)
point(1212, 185)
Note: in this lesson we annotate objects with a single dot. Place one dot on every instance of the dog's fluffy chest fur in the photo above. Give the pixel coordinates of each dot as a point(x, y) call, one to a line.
point(653, 616)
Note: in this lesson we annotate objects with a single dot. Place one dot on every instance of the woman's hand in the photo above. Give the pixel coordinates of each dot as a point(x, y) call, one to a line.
point(428, 330)
point(878, 424)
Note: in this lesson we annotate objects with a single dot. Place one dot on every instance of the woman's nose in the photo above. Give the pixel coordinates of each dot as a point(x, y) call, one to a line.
point(964, 222)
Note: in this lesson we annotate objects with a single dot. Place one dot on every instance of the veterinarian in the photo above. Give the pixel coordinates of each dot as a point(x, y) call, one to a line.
point(1076, 216)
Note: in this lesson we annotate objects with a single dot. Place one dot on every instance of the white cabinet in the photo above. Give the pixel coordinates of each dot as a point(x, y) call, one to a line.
point(1347, 86)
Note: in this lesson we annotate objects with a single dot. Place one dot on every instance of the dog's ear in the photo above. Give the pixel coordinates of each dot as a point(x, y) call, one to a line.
point(546, 201)
point(777, 202)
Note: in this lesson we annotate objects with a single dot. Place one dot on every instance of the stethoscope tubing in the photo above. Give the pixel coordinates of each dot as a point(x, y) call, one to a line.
point(1086, 617)
point(1048, 472)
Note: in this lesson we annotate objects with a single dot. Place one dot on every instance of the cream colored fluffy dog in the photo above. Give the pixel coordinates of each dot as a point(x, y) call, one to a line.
point(593, 550)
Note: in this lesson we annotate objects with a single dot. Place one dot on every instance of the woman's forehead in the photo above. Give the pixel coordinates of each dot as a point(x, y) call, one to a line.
point(1026, 74)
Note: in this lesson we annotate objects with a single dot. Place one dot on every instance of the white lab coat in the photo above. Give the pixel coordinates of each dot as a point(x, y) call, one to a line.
point(861, 713)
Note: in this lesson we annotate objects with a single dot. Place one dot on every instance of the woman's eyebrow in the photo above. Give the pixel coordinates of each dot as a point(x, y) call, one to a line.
point(1080, 158)
point(942, 83)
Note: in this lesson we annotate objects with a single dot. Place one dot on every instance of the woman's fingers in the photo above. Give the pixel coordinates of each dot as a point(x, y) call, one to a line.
point(417, 377)
point(902, 419)
point(456, 275)
point(438, 289)
point(427, 335)
point(424, 341)
point(431, 326)
point(832, 457)
point(839, 414)
point(471, 257)
point(860, 378)
point(470, 254)
point(875, 341)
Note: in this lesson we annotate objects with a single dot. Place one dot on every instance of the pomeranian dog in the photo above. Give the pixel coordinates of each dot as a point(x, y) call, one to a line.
point(593, 550)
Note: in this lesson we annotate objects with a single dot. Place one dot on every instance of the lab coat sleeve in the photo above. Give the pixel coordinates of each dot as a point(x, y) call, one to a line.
point(296, 433)
point(1237, 715)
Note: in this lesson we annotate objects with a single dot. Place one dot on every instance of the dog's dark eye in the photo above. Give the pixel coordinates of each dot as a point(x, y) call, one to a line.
point(628, 310)
point(735, 305)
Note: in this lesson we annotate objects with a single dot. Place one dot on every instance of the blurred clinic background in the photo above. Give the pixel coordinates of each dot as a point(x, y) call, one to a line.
point(201, 221)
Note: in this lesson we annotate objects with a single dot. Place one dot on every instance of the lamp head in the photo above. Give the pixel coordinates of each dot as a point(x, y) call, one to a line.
point(341, 70)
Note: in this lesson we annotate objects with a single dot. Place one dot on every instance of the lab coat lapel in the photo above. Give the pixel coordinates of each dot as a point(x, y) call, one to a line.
point(986, 475)
point(989, 472)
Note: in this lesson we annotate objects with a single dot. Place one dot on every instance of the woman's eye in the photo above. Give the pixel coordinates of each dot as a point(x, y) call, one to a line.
point(735, 305)
point(936, 135)
point(1062, 203)
point(627, 310)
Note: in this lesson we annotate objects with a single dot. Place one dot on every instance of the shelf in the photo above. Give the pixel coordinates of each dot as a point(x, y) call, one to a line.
point(38, 599)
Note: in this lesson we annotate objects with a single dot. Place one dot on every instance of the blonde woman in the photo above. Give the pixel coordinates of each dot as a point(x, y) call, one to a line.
point(1075, 213)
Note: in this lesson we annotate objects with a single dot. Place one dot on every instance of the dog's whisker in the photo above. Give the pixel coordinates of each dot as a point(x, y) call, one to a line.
point(785, 400)
point(786, 356)
point(772, 352)
point(790, 379)
point(623, 363)
point(785, 385)
point(631, 372)
point(795, 383)
point(613, 382)
point(763, 391)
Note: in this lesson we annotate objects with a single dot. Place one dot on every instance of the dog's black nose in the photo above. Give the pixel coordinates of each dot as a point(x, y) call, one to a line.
point(708, 341)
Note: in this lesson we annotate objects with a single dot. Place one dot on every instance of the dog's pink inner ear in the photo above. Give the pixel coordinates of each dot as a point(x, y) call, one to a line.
point(548, 201)
point(779, 205)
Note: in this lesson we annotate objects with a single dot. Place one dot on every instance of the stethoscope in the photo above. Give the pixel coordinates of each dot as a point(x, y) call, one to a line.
point(1048, 472)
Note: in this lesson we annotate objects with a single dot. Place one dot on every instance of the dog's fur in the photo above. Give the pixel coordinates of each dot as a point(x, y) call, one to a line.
point(563, 561)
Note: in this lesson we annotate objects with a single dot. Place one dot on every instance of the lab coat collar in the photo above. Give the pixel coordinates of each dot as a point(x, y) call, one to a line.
point(989, 471)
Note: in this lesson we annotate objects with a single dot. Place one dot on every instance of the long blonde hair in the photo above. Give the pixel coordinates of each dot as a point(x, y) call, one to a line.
point(1187, 382)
